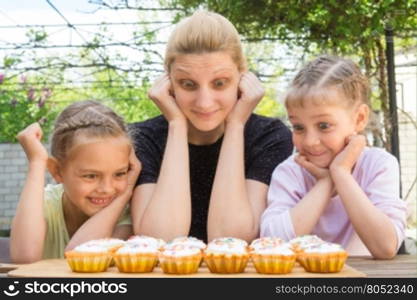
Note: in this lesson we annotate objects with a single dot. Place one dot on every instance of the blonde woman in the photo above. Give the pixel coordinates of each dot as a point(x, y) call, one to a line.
point(208, 160)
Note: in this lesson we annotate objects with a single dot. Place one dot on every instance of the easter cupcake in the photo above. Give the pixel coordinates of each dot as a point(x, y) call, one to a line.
point(136, 257)
point(323, 258)
point(273, 258)
point(180, 259)
point(226, 255)
point(88, 258)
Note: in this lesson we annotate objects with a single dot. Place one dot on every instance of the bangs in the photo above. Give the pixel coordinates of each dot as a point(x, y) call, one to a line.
point(299, 96)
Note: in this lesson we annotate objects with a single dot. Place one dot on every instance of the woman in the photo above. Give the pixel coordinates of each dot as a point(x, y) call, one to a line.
point(208, 160)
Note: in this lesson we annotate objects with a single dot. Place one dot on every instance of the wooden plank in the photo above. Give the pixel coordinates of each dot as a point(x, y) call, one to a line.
point(60, 268)
point(4, 268)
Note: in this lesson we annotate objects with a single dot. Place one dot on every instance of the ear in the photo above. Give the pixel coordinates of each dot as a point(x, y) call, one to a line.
point(362, 117)
point(54, 169)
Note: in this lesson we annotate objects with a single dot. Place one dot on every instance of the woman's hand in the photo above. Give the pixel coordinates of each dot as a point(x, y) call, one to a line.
point(251, 92)
point(30, 140)
point(348, 157)
point(161, 94)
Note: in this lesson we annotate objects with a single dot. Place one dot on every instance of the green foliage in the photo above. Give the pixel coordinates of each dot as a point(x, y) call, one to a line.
point(21, 104)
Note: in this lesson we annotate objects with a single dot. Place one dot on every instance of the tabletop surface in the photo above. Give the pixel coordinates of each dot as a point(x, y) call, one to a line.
point(401, 266)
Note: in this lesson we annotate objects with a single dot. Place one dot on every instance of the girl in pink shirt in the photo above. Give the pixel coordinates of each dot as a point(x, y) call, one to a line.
point(334, 186)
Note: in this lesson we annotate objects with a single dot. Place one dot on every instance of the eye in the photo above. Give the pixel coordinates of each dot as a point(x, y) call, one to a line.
point(297, 128)
point(219, 83)
point(188, 84)
point(90, 176)
point(121, 174)
point(324, 125)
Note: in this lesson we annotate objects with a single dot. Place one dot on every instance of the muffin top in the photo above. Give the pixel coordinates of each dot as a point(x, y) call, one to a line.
point(133, 248)
point(188, 241)
point(306, 240)
point(265, 242)
point(90, 248)
point(108, 243)
point(227, 245)
point(324, 248)
point(179, 250)
point(274, 249)
point(147, 240)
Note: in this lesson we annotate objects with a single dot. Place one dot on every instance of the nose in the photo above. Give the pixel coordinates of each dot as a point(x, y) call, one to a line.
point(204, 99)
point(105, 186)
point(311, 139)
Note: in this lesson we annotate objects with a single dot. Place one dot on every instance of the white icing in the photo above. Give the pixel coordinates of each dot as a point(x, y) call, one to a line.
point(265, 241)
point(90, 248)
point(323, 248)
point(284, 249)
point(147, 240)
point(107, 243)
point(227, 246)
point(137, 248)
point(189, 241)
point(180, 250)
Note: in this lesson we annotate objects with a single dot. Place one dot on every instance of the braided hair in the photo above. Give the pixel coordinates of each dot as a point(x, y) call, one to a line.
point(88, 118)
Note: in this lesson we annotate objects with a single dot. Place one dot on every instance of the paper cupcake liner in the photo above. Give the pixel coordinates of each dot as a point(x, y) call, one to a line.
point(225, 264)
point(136, 263)
point(323, 263)
point(180, 265)
point(273, 264)
point(88, 262)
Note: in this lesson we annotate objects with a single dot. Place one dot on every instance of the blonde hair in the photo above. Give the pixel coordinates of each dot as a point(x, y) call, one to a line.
point(204, 32)
point(89, 118)
point(328, 73)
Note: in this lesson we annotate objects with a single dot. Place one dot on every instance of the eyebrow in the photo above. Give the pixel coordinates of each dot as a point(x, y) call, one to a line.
point(316, 116)
point(96, 171)
point(215, 72)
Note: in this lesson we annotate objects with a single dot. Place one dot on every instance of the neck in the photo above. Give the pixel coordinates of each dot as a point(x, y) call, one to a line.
point(73, 216)
point(198, 137)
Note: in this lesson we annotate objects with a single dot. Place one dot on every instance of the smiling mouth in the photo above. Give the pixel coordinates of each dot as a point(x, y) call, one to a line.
point(205, 115)
point(100, 201)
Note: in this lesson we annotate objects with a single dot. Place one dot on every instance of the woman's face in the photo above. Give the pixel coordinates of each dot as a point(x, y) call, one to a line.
point(205, 87)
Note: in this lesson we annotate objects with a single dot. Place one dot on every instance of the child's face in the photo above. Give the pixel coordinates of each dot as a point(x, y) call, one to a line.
point(95, 172)
point(320, 131)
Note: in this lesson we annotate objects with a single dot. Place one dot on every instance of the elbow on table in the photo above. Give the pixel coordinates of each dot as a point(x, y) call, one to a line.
point(385, 253)
point(24, 258)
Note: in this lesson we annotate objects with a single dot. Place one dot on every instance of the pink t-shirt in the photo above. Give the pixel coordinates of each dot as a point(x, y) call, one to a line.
point(377, 173)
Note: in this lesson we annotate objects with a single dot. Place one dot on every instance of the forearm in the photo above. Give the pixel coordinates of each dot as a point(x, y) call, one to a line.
point(230, 212)
point(29, 227)
point(374, 228)
point(100, 225)
point(168, 213)
point(307, 212)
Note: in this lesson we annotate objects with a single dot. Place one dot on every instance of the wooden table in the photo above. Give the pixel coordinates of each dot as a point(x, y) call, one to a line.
point(401, 266)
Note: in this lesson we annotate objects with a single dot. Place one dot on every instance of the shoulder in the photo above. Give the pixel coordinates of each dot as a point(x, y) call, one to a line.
point(52, 198)
point(377, 158)
point(152, 131)
point(151, 126)
point(53, 192)
point(266, 128)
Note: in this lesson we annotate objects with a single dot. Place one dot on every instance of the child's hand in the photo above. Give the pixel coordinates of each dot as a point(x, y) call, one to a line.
point(251, 92)
point(348, 157)
point(135, 167)
point(162, 95)
point(30, 140)
point(317, 172)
